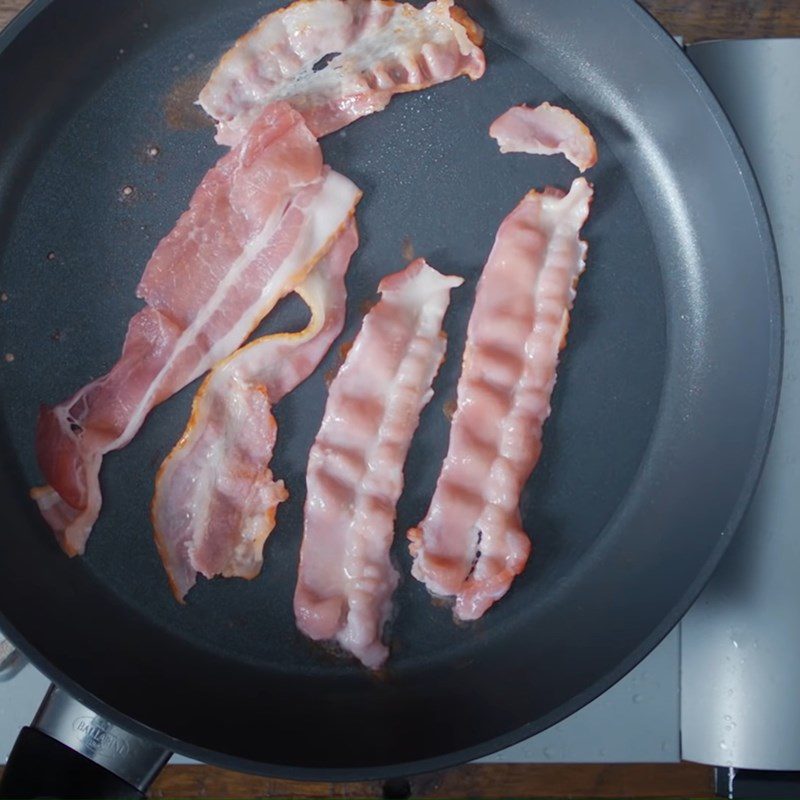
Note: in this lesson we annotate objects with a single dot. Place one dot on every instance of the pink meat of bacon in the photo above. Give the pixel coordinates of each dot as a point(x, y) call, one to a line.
point(377, 48)
point(355, 469)
point(256, 226)
point(471, 544)
point(545, 130)
point(216, 499)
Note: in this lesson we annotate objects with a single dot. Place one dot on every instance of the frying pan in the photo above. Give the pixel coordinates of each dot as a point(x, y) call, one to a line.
point(661, 418)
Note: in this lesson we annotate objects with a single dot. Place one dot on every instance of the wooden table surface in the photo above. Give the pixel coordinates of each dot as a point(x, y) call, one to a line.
point(695, 20)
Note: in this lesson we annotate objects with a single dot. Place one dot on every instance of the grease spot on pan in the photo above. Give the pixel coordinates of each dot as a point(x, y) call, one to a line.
point(341, 355)
point(181, 111)
point(408, 249)
point(147, 153)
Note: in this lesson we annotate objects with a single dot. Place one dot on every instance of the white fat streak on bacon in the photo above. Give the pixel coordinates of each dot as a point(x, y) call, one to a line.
point(216, 498)
point(72, 527)
point(471, 544)
point(256, 226)
point(545, 130)
point(355, 471)
point(317, 216)
point(379, 48)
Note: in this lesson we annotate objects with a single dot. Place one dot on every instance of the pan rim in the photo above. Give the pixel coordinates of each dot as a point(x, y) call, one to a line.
point(749, 484)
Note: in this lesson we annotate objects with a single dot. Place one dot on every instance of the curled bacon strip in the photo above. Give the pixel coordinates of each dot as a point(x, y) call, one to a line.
point(545, 130)
point(471, 544)
point(215, 498)
point(377, 48)
point(256, 226)
point(355, 470)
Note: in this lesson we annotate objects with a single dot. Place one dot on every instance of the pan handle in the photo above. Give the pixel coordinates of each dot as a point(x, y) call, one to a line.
point(71, 752)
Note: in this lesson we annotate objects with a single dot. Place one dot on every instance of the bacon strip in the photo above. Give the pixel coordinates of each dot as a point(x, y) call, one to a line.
point(545, 130)
point(216, 499)
point(380, 48)
point(471, 545)
point(256, 226)
point(355, 469)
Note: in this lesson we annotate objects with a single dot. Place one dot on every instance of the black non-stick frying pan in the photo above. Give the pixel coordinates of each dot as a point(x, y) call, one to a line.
point(661, 417)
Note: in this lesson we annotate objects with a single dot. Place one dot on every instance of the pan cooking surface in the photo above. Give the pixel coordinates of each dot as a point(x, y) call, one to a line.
point(432, 177)
point(105, 158)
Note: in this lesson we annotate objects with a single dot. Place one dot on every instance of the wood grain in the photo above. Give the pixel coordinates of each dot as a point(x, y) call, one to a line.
point(695, 20)
point(8, 9)
point(488, 781)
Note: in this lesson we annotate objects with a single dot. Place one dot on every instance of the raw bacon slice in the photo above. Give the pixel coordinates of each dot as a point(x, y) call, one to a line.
point(545, 130)
point(378, 48)
point(355, 469)
point(216, 499)
point(256, 226)
point(471, 545)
